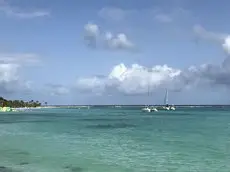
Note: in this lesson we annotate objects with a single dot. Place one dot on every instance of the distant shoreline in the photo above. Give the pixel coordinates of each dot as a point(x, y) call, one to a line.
point(55, 106)
point(38, 107)
point(116, 106)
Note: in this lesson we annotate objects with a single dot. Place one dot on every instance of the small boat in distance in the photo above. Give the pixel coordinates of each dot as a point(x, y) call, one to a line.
point(153, 109)
point(167, 106)
point(147, 108)
point(172, 107)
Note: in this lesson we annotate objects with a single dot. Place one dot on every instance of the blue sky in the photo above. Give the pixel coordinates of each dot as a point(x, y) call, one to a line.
point(102, 52)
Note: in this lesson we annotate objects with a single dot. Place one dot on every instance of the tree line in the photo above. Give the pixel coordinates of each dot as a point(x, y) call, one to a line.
point(19, 103)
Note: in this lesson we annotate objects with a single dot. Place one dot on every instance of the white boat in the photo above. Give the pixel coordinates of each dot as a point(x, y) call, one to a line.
point(149, 109)
point(172, 108)
point(167, 106)
point(146, 109)
point(153, 109)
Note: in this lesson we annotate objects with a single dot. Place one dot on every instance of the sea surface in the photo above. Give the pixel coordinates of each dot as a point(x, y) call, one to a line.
point(115, 140)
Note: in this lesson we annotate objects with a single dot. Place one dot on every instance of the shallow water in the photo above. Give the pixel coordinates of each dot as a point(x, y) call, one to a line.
point(115, 140)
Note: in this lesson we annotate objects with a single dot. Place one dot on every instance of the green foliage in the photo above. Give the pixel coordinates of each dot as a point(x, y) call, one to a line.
point(18, 103)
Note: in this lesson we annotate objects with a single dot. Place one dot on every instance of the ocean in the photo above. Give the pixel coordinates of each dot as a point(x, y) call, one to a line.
point(115, 140)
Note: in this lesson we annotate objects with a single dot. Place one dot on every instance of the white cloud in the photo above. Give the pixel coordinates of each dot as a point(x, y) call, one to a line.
point(8, 72)
point(94, 37)
point(203, 33)
point(10, 67)
point(112, 14)
point(92, 33)
point(136, 79)
point(92, 84)
point(25, 15)
point(129, 80)
point(222, 38)
point(13, 11)
point(226, 44)
point(10, 81)
point(92, 30)
point(178, 16)
point(19, 58)
point(119, 41)
point(115, 14)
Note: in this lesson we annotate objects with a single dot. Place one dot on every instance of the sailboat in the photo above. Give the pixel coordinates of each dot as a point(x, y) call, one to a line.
point(167, 107)
point(147, 108)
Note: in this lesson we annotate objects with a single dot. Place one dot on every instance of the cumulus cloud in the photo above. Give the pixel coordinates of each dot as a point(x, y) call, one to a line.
point(226, 44)
point(10, 67)
point(138, 79)
point(17, 12)
point(129, 80)
point(119, 41)
point(91, 34)
point(94, 37)
point(10, 81)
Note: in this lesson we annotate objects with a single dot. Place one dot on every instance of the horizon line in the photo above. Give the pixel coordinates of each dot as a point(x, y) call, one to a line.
point(137, 105)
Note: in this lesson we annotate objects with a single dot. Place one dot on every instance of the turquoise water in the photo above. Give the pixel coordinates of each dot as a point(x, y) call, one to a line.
point(115, 140)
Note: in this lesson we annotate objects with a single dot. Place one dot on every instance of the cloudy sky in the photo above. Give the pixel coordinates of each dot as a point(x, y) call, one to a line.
point(106, 51)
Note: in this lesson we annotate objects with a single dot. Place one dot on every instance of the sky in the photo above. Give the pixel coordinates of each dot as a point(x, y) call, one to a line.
point(115, 52)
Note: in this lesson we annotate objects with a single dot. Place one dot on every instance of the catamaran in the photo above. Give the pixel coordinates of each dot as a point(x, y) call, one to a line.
point(147, 108)
point(167, 107)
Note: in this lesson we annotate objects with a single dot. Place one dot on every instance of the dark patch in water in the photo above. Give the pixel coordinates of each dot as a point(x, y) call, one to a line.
point(23, 163)
point(5, 169)
point(15, 151)
point(159, 130)
point(96, 119)
point(32, 121)
point(73, 169)
point(101, 119)
point(22, 153)
point(111, 126)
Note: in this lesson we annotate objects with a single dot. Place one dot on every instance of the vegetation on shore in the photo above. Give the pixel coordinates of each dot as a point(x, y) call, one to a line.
point(19, 103)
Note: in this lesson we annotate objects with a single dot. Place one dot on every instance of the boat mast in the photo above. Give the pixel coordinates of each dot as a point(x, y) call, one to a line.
point(148, 96)
point(166, 97)
point(148, 89)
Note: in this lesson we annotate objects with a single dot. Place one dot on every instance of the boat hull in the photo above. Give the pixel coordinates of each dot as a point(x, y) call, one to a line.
point(172, 108)
point(146, 110)
point(149, 110)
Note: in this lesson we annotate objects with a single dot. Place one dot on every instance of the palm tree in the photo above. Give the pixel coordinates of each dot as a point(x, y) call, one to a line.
point(1, 103)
